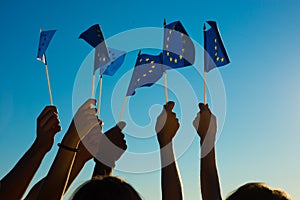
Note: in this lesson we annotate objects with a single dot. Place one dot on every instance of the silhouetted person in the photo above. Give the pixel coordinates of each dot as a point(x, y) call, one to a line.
point(206, 126)
point(15, 183)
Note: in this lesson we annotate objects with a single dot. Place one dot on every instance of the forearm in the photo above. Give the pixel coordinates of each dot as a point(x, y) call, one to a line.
point(76, 169)
point(15, 183)
point(170, 180)
point(57, 178)
point(210, 187)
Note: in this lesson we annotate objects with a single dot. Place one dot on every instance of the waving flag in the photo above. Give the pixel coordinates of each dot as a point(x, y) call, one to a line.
point(215, 52)
point(94, 37)
point(45, 38)
point(148, 69)
point(116, 60)
point(178, 50)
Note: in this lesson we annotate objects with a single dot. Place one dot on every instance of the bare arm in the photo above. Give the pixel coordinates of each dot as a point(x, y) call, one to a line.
point(15, 183)
point(206, 126)
point(57, 178)
point(166, 128)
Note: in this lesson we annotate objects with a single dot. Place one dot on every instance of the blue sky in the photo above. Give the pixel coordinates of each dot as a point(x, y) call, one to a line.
point(260, 137)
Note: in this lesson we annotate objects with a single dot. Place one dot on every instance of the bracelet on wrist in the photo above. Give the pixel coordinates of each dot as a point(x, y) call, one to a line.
point(67, 148)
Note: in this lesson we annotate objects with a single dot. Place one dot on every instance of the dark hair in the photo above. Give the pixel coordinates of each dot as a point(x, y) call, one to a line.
point(257, 191)
point(104, 188)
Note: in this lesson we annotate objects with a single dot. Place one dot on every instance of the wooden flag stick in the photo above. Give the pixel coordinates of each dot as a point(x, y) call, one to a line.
point(166, 86)
point(204, 77)
point(123, 108)
point(100, 97)
point(93, 86)
point(49, 87)
point(204, 72)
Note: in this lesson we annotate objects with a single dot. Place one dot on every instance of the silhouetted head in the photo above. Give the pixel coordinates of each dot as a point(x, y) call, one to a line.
point(257, 191)
point(106, 188)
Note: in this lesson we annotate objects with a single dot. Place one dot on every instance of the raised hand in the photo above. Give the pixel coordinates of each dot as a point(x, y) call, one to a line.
point(85, 118)
point(166, 125)
point(112, 145)
point(47, 126)
point(205, 122)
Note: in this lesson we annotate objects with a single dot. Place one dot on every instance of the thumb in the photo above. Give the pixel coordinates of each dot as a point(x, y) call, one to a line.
point(169, 106)
point(121, 125)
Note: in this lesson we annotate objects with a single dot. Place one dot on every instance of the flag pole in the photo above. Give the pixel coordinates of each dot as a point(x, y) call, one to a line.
point(123, 108)
point(165, 73)
point(48, 77)
point(48, 80)
point(204, 66)
point(93, 86)
point(100, 97)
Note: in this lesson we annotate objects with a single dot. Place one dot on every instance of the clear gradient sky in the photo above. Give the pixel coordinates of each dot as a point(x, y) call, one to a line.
point(261, 133)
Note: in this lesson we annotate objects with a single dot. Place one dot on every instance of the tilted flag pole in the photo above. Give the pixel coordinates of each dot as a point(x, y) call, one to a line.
point(123, 108)
point(204, 66)
point(45, 38)
point(165, 75)
point(99, 97)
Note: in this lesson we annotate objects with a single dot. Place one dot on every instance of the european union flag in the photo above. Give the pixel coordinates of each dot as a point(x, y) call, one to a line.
point(45, 38)
point(178, 50)
point(94, 37)
point(148, 69)
point(116, 60)
point(215, 52)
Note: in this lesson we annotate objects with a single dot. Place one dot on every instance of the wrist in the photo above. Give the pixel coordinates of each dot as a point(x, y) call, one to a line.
point(40, 149)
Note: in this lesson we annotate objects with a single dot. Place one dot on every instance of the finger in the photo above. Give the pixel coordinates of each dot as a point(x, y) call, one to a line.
point(46, 118)
point(54, 130)
point(89, 103)
point(169, 106)
point(121, 125)
point(53, 121)
point(203, 107)
point(46, 110)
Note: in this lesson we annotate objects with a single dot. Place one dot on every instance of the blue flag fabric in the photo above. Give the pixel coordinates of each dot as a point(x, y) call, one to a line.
point(94, 37)
point(178, 50)
point(148, 69)
point(116, 60)
point(45, 38)
point(215, 52)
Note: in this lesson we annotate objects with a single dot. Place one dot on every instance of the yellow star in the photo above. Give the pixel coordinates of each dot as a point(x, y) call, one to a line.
point(153, 66)
point(150, 71)
point(216, 47)
point(167, 46)
point(168, 38)
point(215, 40)
point(152, 62)
point(216, 54)
point(168, 53)
point(147, 59)
point(217, 59)
point(175, 60)
point(170, 32)
point(182, 50)
point(104, 59)
point(144, 75)
point(222, 59)
point(138, 79)
point(180, 57)
point(171, 59)
point(141, 60)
